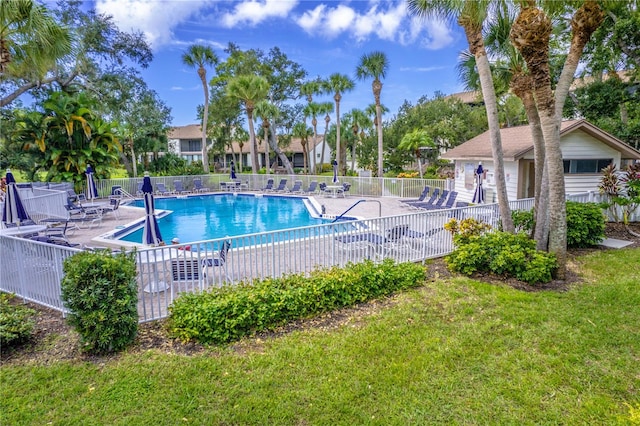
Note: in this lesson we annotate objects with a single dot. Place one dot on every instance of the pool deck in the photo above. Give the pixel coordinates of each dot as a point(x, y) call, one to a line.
point(372, 208)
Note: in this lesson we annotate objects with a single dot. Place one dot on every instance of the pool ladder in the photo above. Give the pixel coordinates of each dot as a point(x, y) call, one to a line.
point(355, 204)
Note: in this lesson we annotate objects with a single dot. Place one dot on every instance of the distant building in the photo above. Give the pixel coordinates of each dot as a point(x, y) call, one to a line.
point(186, 142)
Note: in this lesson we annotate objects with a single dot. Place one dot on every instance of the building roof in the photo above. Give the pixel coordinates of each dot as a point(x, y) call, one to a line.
point(470, 98)
point(190, 131)
point(517, 142)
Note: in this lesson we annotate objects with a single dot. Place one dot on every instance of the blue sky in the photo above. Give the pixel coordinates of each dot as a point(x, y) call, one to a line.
point(323, 37)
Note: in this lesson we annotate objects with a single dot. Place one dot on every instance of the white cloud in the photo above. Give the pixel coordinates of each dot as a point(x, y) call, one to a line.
point(384, 20)
point(255, 11)
point(156, 20)
point(438, 35)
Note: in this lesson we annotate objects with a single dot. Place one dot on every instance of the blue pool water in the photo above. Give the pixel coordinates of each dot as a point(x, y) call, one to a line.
point(216, 216)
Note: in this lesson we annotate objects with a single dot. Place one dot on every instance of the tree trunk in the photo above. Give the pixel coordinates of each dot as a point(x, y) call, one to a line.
point(338, 158)
point(377, 88)
point(205, 119)
point(134, 162)
point(253, 146)
point(327, 119)
point(283, 158)
point(522, 86)
point(491, 105)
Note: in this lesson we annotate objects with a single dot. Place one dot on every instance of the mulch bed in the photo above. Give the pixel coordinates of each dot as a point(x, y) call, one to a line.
point(55, 341)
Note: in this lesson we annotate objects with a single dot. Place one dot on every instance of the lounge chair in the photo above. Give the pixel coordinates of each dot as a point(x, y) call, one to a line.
point(197, 186)
point(450, 201)
point(179, 188)
point(313, 187)
point(297, 187)
point(282, 186)
point(161, 189)
point(437, 204)
point(429, 202)
point(114, 205)
point(323, 187)
point(219, 260)
point(268, 186)
point(420, 199)
point(139, 192)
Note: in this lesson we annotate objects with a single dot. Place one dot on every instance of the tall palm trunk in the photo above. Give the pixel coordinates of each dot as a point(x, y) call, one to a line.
point(327, 119)
point(476, 47)
point(530, 35)
point(253, 146)
point(377, 89)
point(522, 86)
point(205, 118)
point(337, 99)
point(314, 123)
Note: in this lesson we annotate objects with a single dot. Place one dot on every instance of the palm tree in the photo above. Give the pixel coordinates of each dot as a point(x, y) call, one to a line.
point(267, 112)
point(311, 88)
point(312, 110)
point(414, 141)
point(29, 30)
point(359, 121)
point(326, 108)
point(470, 15)
point(530, 34)
point(375, 65)
point(199, 56)
point(300, 130)
point(249, 89)
point(338, 84)
point(511, 73)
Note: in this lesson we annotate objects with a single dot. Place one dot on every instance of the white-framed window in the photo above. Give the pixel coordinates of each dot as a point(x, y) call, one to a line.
point(583, 166)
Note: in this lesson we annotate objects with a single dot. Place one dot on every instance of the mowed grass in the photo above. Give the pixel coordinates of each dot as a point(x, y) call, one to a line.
point(455, 351)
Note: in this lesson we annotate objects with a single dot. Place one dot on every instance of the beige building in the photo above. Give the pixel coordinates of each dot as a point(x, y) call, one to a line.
point(186, 142)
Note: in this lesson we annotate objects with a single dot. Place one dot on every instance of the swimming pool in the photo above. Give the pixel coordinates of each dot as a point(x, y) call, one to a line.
point(207, 217)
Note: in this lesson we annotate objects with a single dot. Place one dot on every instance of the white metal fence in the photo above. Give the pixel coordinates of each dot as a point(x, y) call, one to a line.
point(362, 186)
point(33, 270)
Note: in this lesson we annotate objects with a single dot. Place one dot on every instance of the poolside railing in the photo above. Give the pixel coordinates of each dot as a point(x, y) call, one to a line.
point(33, 270)
point(360, 186)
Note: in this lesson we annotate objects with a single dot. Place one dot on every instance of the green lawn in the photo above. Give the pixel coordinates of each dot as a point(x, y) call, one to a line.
point(452, 352)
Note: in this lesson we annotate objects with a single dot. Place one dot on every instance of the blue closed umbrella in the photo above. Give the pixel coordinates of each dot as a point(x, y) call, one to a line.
point(478, 196)
point(151, 232)
point(335, 171)
point(92, 190)
point(14, 211)
point(233, 171)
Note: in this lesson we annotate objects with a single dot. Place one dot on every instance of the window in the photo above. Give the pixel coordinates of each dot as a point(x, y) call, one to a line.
point(586, 166)
point(190, 145)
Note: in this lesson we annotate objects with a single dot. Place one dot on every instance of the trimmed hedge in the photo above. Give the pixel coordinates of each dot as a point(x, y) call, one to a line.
point(502, 253)
point(101, 292)
point(222, 315)
point(586, 223)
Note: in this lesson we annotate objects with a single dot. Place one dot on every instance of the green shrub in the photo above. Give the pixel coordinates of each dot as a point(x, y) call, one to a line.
point(16, 322)
point(225, 314)
point(502, 253)
point(100, 290)
point(585, 224)
point(523, 220)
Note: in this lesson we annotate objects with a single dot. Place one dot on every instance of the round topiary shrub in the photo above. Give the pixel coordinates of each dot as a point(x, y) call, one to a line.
point(100, 290)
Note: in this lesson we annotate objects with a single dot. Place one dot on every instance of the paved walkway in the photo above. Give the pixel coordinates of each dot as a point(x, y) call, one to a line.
point(370, 208)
